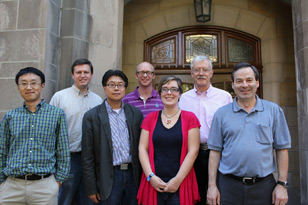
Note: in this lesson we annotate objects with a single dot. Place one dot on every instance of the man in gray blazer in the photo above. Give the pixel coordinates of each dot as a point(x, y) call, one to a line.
point(110, 139)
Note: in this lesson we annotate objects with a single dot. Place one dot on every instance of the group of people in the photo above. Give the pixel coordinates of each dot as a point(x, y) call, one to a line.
point(146, 147)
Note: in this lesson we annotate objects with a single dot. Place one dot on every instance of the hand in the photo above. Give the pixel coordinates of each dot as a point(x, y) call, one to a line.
point(95, 197)
point(158, 184)
point(280, 195)
point(172, 185)
point(59, 184)
point(213, 195)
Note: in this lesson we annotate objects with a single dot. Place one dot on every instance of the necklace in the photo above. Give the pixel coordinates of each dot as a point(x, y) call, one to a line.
point(169, 118)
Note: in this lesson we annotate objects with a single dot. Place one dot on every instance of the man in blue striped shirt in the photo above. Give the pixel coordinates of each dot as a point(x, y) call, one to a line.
point(34, 152)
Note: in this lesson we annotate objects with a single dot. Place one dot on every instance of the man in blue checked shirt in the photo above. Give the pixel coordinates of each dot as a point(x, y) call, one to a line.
point(34, 151)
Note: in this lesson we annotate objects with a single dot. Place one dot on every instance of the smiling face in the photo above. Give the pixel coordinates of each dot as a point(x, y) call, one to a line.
point(170, 98)
point(245, 84)
point(202, 73)
point(30, 88)
point(82, 76)
point(145, 74)
point(114, 95)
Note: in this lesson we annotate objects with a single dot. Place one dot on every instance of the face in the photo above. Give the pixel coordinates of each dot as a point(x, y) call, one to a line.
point(170, 98)
point(30, 88)
point(82, 76)
point(245, 84)
point(115, 94)
point(145, 74)
point(201, 73)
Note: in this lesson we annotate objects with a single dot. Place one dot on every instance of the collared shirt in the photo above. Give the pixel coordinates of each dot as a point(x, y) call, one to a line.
point(153, 103)
point(247, 140)
point(34, 142)
point(204, 105)
point(75, 105)
point(119, 134)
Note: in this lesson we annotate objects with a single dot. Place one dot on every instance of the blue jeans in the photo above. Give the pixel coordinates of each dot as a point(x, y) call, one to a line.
point(73, 189)
point(168, 198)
point(124, 189)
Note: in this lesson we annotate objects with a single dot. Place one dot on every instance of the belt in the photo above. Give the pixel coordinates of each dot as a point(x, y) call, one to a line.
point(75, 153)
point(246, 180)
point(124, 166)
point(32, 177)
point(204, 146)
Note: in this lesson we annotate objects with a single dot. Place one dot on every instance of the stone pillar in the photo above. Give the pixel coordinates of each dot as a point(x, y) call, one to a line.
point(91, 29)
point(106, 33)
point(74, 40)
point(300, 28)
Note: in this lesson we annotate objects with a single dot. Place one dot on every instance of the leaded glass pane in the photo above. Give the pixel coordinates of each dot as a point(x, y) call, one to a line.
point(205, 45)
point(163, 52)
point(239, 51)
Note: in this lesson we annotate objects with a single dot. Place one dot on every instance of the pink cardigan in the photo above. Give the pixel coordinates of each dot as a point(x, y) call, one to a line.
point(189, 193)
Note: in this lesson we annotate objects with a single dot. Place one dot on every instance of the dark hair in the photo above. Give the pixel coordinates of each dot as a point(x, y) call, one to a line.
point(82, 61)
point(110, 73)
point(167, 79)
point(244, 65)
point(27, 70)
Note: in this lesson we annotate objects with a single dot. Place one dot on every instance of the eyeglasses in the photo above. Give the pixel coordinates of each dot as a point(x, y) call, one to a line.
point(172, 90)
point(199, 70)
point(141, 73)
point(24, 85)
point(113, 85)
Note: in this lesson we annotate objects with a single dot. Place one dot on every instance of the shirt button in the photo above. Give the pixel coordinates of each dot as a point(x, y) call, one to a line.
point(31, 138)
point(29, 165)
point(32, 125)
point(30, 151)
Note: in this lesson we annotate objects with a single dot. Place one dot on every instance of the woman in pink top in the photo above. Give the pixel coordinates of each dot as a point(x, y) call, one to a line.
point(168, 147)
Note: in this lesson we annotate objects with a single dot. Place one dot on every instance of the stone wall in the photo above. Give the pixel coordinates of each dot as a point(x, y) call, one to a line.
point(300, 28)
point(23, 27)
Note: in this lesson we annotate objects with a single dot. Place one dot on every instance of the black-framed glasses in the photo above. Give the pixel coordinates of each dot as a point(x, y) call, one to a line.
point(148, 73)
point(24, 85)
point(113, 85)
point(172, 90)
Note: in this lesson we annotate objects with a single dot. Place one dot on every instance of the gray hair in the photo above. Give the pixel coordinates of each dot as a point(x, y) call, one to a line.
point(200, 59)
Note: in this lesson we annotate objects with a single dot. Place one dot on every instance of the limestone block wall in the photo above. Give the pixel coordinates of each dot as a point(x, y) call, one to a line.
point(23, 28)
point(271, 21)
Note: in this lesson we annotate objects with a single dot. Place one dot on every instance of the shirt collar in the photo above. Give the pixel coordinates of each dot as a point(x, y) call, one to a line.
point(207, 92)
point(109, 108)
point(258, 107)
point(77, 91)
point(154, 93)
point(42, 104)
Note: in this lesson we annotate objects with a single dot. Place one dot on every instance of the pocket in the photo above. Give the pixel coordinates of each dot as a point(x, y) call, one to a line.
point(264, 134)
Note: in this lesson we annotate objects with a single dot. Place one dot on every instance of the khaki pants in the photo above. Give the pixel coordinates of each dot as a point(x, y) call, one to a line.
point(18, 191)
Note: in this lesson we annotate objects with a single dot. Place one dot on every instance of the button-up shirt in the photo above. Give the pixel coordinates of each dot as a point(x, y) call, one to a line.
point(247, 140)
point(119, 135)
point(153, 103)
point(75, 105)
point(34, 142)
point(204, 105)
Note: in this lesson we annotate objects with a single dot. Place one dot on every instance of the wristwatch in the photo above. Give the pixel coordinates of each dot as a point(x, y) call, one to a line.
point(284, 184)
point(150, 176)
